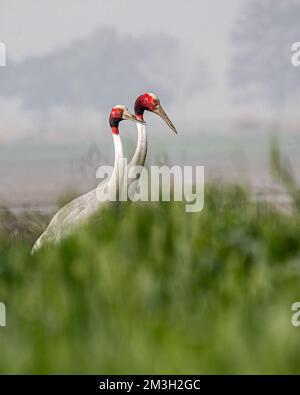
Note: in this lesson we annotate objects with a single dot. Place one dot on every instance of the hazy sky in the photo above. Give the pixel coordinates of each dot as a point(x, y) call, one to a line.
point(34, 28)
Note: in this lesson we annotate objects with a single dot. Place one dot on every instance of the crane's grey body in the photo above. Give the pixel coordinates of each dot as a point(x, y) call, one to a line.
point(68, 217)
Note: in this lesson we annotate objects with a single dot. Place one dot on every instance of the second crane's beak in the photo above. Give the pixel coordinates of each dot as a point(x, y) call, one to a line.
point(161, 112)
point(130, 117)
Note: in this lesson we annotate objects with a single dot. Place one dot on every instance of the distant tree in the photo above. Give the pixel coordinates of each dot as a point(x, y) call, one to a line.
point(95, 71)
point(261, 68)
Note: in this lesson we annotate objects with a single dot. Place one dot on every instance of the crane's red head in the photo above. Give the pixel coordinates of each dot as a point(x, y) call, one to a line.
point(150, 102)
point(118, 114)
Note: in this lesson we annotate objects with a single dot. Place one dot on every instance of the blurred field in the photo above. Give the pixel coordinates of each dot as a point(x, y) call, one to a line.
point(35, 174)
point(155, 290)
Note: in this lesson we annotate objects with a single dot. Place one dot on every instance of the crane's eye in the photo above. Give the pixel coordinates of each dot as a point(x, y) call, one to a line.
point(155, 104)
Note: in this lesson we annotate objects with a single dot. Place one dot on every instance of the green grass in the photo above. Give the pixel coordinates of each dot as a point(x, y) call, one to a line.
point(152, 289)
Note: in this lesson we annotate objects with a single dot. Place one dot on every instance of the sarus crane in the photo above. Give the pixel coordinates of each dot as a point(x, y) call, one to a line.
point(86, 205)
point(145, 102)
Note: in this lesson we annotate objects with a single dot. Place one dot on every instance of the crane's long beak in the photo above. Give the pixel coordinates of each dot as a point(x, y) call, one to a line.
point(130, 117)
point(161, 112)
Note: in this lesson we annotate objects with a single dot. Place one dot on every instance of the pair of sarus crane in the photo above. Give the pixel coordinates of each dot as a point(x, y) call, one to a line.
point(84, 207)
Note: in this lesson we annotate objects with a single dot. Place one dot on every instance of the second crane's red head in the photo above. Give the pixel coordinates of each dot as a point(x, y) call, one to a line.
point(120, 113)
point(150, 102)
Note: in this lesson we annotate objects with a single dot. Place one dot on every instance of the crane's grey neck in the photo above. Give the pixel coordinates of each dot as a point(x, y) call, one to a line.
point(140, 154)
point(116, 178)
point(118, 147)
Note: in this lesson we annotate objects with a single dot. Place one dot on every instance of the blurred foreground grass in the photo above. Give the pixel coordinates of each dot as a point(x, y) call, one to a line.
point(156, 290)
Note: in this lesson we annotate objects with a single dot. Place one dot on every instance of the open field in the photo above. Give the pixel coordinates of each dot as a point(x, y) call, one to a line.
point(155, 290)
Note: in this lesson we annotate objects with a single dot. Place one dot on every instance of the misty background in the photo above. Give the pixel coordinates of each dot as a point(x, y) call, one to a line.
point(223, 74)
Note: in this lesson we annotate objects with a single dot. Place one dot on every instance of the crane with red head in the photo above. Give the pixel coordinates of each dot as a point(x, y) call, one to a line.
point(146, 102)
